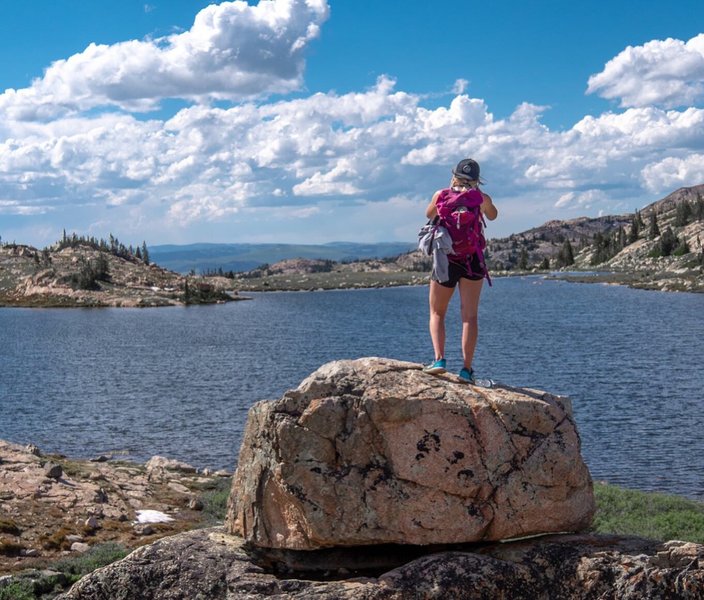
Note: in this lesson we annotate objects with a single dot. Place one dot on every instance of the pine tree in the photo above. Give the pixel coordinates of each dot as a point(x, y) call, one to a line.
point(698, 209)
point(654, 230)
point(604, 247)
point(635, 229)
point(668, 242)
point(683, 214)
point(101, 268)
point(639, 218)
point(682, 247)
point(565, 257)
point(621, 238)
point(145, 253)
point(568, 253)
point(523, 260)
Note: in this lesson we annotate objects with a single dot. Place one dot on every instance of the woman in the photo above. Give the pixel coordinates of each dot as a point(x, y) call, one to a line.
point(467, 271)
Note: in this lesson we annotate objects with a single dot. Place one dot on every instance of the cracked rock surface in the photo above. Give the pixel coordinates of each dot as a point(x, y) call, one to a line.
point(207, 563)
point(374, 451)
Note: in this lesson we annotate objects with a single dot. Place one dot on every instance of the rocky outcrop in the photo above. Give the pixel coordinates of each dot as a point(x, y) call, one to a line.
point(51, 505)
point(66, 277)
point(210, 564)
point(375, 451)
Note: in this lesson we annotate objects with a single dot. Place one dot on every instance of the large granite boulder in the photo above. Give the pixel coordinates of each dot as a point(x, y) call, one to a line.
point(375, 451)
point(210, 565)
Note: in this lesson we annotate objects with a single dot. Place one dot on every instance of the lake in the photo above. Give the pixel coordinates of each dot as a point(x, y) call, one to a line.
point(178, 381)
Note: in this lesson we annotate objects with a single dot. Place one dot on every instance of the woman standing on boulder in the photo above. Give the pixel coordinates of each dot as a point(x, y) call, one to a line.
point(458, 214)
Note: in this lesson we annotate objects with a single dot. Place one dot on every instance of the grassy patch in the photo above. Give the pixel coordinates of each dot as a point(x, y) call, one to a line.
point(56, 540)
point(74, 469)
point(215, 501)
point(98, 556)
point(42, 585)
point(36, 586)
point(651, 515)
point(22, 589)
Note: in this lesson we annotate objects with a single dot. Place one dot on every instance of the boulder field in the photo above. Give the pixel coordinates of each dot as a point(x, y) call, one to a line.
point(52, 507)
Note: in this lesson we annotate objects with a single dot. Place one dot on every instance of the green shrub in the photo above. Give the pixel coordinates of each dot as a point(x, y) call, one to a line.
point(18, 590)
point(98, 556)
point(682, 247)
point(215, 500)
point(646, 514)
point(35, 585)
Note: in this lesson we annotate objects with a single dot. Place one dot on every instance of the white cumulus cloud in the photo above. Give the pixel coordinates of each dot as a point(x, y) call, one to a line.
point(673, 172)
point(208, 165)
point(583, 199)
point(233, 51)
point(359, 165)
point(667, 72)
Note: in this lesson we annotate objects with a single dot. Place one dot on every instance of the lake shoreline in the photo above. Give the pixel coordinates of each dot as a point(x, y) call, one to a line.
point(666, 282)
point(165, 380)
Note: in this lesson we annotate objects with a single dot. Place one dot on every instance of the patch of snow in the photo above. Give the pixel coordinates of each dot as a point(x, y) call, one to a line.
point(152, 516)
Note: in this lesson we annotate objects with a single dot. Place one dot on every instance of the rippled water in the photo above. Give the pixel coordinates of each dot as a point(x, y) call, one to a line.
point(179, 381)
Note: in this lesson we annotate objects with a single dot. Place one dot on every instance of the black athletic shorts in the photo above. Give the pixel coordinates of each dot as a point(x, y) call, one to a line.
point(467, 269)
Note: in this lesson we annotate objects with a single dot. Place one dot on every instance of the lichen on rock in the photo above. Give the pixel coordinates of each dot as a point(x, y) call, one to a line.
point(374, 451)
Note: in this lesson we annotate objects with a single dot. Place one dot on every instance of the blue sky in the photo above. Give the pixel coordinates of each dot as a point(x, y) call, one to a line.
point(314, 120)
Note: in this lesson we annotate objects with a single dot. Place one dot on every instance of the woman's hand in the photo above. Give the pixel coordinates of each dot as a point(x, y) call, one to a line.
point(488, 208)
point(432, 211)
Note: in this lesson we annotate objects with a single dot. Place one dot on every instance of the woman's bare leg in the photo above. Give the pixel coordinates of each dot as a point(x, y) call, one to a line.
point(439, 301)
point(469, 295)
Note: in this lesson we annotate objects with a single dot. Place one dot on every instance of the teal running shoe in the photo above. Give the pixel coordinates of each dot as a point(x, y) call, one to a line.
point(435, 368)
point(467, 375)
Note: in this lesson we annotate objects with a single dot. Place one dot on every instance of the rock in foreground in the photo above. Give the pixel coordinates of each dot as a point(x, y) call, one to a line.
point(209, 564)
point(374, 451)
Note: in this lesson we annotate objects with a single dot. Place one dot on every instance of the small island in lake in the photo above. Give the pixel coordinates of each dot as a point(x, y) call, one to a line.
point(78, 271)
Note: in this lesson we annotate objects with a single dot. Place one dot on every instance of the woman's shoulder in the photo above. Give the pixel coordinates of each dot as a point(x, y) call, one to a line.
point(437, 195)
point(442, 192)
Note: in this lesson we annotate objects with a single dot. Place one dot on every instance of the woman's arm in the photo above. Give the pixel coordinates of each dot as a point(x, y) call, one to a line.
point(488, 208)
point(432, 211)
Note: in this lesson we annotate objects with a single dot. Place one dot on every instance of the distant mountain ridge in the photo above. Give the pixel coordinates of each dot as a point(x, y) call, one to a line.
point(607, 243)
point(658, 247)
point(245, 257)
point(542, 245)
